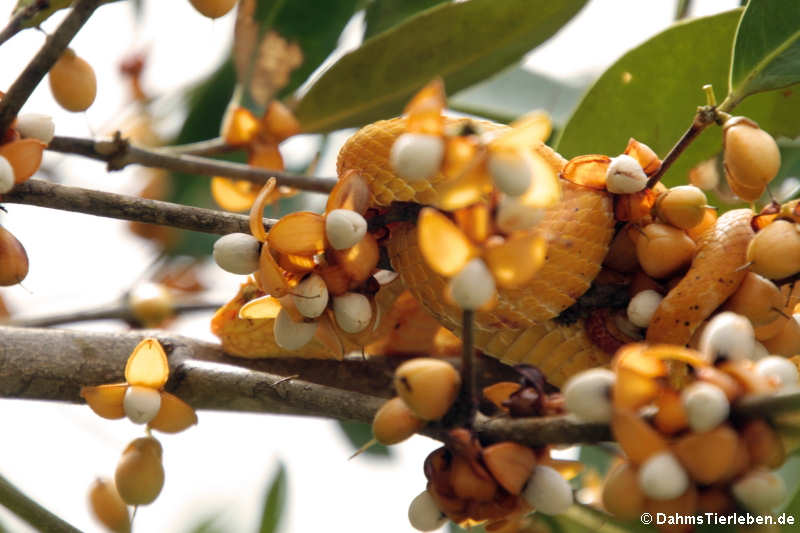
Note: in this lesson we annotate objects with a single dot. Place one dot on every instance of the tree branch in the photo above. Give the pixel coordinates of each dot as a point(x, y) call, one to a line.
point(31, 512)
point(41, 63)
point(118, 153)
point(106, 204)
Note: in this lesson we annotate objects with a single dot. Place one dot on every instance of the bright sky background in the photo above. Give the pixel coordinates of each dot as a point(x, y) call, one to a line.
point(54, 451)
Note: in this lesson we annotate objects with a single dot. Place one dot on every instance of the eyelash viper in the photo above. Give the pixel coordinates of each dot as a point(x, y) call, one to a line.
point(520, 329)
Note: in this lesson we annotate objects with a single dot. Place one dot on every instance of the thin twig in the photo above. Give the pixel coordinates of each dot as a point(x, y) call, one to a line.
point(200, 148)
point(106, 204)
point(15, 23)
point(118, 153)
point(41, 63)
point(31, 512)
point(114, 311)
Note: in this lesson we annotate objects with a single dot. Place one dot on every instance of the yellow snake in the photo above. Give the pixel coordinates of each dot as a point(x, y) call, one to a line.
point(520, 329)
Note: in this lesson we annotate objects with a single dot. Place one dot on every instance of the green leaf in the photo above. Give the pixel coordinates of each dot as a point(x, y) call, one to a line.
point(38, 14)
point(382, 15)
point(463, 42)
point(359, 434)
point(651, 94)
point(516, 91)
point(300, 33)
point(766, 51)
point(275, 502)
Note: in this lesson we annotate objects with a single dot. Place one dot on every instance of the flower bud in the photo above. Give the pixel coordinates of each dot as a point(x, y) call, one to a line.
point(760, 491)
point(6, 175)
point(547, 491)
point(423, 514)
point(511, 171)
point(36, 126)
point(141, 404)
point(474, 286)
point(774, 252)
point(344, 228)
point(662, 477)
point(140, 476)
point(587, 395)
point(783, 371)
point(751, 157)
point(757, 299)
point(291, 335)
point(643, 306)
point(427, 386)
point(13, 259)
point(683, 206)
point(213, 8)
point(108, 507)
point(706, 406)
point(625, 175)
point(237, 253)
point(310, 296)
point(663, 250)
point(417, 156)
point(395, 422)
point(353, 312)
point(72, 82)
point(151, 303)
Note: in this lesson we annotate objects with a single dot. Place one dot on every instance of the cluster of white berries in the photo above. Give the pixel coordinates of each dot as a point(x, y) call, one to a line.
point(32, 126)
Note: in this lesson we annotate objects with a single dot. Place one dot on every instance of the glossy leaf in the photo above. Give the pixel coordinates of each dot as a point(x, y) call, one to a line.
point(444, 246)
point(106, 400)
point(376, 80)
point(302, 233)
point(515, 262)
point(41, 15)
point(274, 502)
point(766, 51)
point(626, 101)
point(175, 415)
point(383, 15)
point(279, 44)
point(263, 307)
point(147, 365)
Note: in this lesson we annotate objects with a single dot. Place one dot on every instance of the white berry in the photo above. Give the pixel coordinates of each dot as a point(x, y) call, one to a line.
point(423, 513)
point(728, 335)
point(625, 175)
point(237, 253)
point(513, 215)
point(291, 335)
point(6, 175)
point(141, 404)
point(662, 477)
point(588, 395)
point(760, 491)
point(473, 286)
point(706, 405)
point(310, 296)
point(643, 306)
point(780, 369)
point(511, 171)
point(344, 228)
point(416, 156)
point(547, 491)
point(36, 126)
point(352, 311)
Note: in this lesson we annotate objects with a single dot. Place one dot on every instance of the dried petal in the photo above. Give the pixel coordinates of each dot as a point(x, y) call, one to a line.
point(147, 365)
point(500, 392)
point(636, 357)
point(587, 170)
point(240, 127)
point(634, 207)
point(514, 262)
point(257, 210)
point(233, 195)
point(271, 277)
point(351, 192)
point(511, 464)
point(360, 260)
point(645, 155)
point(444, 246)
point(327, 334)
point(425, 109)
point(527, 131)
point(25, 157)
point(266, 156)
point(299, 264)
point(106, 400)
point(300, 233)
point(474, 221)
point(279, 122)
point(175, 415)
point(263, 307)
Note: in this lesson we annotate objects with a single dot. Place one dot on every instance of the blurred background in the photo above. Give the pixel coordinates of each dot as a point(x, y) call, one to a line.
point(219, 470)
